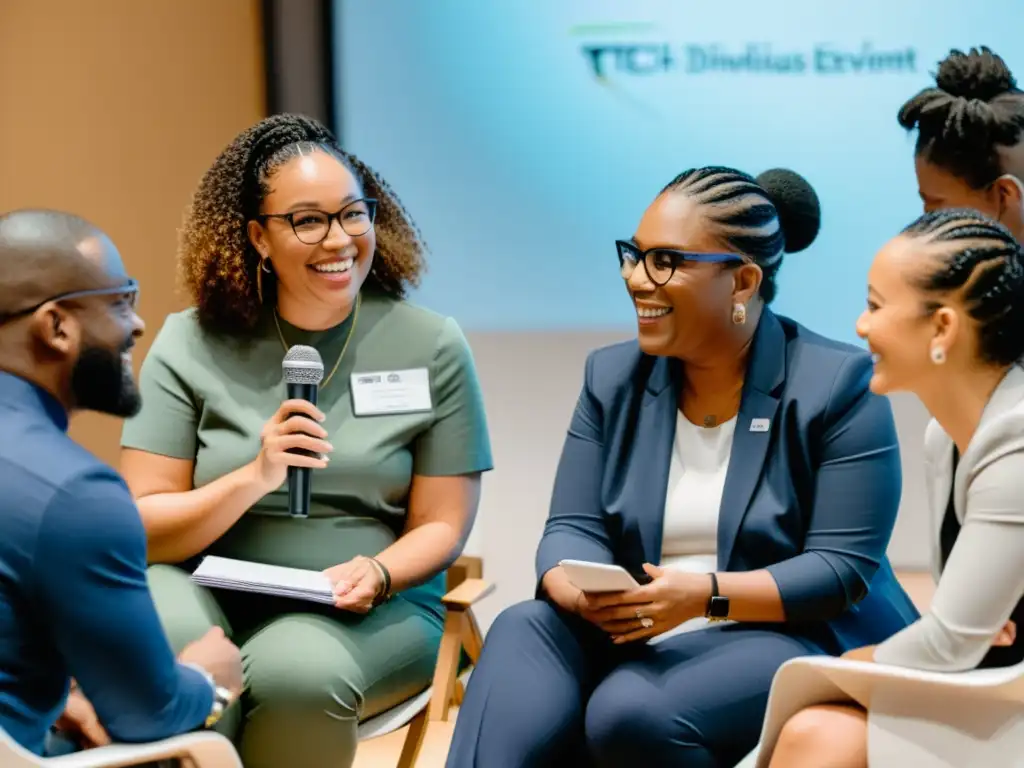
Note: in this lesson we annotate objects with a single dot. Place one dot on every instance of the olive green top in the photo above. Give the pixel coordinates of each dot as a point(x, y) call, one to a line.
point(207, 396)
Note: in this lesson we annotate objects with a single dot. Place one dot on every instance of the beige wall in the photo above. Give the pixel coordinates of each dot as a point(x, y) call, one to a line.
point(113, 109)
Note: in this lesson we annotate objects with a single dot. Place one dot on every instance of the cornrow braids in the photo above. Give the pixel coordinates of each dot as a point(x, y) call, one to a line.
point(974, 108)
point(983, 261)
point(762, 218)
point(216, 262)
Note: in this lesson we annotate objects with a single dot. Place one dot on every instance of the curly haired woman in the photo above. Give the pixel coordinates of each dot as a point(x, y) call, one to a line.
point(290, 240)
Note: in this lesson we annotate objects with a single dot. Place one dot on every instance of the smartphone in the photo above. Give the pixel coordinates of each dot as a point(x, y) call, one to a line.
point(598, 577)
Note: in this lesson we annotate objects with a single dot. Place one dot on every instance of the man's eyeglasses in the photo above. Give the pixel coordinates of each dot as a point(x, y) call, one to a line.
point(127, 301)
point(312, 226)
point(661, 263)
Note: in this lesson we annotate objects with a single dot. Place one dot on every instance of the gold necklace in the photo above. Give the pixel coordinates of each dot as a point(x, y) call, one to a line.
point(344, 349)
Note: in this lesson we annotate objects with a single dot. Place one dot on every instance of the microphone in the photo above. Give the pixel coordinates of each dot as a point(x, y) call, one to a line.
point(303, 372)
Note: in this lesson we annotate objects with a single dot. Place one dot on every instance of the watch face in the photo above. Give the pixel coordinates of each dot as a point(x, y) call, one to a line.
point(719, 607)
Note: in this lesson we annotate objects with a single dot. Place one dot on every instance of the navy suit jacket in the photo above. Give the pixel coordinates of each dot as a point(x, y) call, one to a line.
point(813, 499)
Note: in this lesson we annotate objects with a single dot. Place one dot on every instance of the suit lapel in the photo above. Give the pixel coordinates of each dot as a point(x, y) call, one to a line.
point(1006, 395)
point(651, 458)
point(754, 426)
point(941, 486)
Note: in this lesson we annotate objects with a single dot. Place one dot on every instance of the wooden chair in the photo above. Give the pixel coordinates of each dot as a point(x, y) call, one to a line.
point(429, 710)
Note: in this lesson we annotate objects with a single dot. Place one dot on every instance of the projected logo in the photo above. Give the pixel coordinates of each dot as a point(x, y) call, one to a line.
point(625, 57)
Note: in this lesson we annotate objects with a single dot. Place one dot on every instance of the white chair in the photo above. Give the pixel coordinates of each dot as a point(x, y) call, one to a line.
point(197, 750)
point(429, 710)
point(923, 719)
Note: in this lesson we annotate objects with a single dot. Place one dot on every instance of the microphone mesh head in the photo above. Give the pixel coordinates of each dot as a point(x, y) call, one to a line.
point(302, 365)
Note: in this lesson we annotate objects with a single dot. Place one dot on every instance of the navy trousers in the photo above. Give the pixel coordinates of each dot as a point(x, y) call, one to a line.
point(552, 690)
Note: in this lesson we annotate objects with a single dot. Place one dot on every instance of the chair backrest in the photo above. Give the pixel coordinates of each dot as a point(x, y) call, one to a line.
point(13, 755)
point(1010, 682)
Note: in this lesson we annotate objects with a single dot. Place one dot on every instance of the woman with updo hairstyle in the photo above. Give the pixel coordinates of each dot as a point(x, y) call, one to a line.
point(737, 466)
point(290, 240)
point(945, 320)
point(970, 138)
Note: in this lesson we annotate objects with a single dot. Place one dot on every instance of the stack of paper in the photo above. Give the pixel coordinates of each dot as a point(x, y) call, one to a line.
point(298, 584)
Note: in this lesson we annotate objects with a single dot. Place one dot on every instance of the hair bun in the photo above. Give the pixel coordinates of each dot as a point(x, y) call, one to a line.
point(797, 203)
point(979, 74)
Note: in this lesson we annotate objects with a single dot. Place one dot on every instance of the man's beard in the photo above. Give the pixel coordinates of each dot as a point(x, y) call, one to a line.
point(101, 381)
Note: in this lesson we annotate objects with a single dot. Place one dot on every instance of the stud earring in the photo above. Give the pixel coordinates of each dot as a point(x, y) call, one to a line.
point(739, 313)
point(938, 355)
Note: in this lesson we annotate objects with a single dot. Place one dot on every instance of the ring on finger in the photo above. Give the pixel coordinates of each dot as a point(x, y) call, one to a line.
point(646, 622)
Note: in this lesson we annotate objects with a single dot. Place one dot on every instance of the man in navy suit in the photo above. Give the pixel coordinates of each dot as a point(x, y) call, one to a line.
point(730, 457)
point(74, 603)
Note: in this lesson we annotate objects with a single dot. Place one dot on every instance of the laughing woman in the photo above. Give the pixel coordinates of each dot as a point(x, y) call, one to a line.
point(946, 318)
point(290, 240)
point(734, 457)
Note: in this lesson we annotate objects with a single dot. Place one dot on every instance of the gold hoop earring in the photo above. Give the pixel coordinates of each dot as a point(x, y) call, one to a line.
point(739, 313)
point(259, 276)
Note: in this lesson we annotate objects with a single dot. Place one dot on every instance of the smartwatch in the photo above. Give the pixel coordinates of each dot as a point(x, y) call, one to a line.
point(718, 605)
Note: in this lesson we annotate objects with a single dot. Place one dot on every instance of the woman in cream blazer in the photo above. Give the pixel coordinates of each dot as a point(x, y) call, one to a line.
point(945, 320)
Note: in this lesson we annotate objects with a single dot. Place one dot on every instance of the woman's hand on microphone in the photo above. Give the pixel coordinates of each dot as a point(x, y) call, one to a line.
point(297, 424)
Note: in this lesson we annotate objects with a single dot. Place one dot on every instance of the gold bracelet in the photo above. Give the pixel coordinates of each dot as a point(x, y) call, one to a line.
point(384, 590)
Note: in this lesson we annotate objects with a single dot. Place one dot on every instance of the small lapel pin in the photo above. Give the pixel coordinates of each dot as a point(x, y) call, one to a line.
point(759, 425)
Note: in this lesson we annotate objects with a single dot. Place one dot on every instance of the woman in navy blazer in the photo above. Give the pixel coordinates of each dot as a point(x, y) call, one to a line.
point(735, 459)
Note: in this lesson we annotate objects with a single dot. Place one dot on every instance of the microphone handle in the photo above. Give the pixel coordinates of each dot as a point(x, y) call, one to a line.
point(300, 478)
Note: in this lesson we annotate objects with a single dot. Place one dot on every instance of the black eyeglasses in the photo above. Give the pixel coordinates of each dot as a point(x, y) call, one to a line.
point(312, 226)
point(661, 263)
point(127, 293)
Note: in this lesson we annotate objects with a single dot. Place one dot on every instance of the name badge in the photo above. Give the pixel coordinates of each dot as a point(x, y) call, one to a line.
point(759, 425)
point(382, 392)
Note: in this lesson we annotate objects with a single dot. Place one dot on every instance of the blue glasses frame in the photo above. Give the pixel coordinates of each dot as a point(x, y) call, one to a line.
point(661, 263)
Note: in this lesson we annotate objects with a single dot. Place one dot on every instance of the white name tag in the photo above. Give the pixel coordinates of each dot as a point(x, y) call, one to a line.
point(759, 425)
point(379, 392)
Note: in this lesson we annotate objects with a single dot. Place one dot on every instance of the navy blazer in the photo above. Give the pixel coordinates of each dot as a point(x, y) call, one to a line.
point(813, 499)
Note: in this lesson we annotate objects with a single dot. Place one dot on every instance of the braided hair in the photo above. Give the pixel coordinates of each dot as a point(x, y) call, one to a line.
point(216, 262)
point(762, 218)
point(983, 261)
point(974, 108)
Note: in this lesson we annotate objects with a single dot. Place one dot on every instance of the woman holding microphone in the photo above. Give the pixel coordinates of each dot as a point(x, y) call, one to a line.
point(290, 240)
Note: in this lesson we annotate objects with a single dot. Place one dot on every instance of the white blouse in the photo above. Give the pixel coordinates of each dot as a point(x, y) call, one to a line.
point(696, 479)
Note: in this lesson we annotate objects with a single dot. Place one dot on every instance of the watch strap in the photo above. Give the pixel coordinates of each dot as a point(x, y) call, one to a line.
point(222, 697)
point(718, 605)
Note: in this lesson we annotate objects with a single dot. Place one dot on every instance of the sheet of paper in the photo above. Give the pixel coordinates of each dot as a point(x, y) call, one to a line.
point(241, 575)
